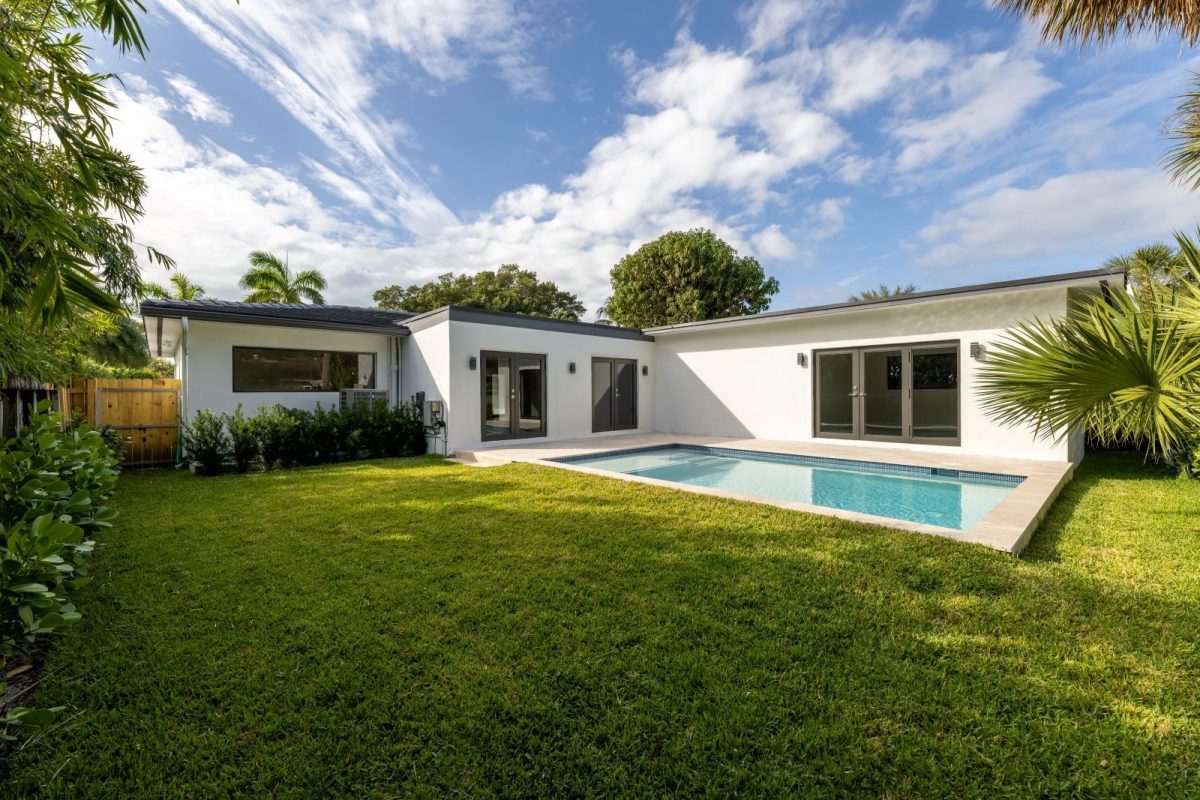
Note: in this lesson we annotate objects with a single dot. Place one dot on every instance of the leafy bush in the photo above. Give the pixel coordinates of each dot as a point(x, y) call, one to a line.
point(243, 439)
point(206, 441)
point(55, 482)
point(289, 437)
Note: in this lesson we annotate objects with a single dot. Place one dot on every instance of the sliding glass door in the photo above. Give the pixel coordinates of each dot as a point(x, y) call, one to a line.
point(512, 395)
point(895, 393)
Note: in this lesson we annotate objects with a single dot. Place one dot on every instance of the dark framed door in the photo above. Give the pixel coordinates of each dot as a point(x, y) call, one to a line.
point(614, 394)
point(890, 393)
point(512, 395)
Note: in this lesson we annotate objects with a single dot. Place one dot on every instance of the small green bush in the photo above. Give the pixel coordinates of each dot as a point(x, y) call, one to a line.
point(289, 437)
point(206, 442)
point(243, 439)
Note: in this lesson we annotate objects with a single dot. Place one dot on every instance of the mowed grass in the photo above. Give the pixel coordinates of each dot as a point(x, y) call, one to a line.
point(415, 627)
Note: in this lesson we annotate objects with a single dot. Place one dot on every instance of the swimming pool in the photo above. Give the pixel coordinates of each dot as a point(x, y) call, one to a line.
point(947, 498)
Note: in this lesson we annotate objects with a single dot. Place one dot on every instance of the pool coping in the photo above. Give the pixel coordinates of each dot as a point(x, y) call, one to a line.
point(1008, 527)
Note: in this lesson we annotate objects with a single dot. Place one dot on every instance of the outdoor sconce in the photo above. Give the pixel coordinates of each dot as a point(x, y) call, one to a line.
point(802, 359)
point(978, 351)
point(571, 368)
point(645, 370)
point(472, 362)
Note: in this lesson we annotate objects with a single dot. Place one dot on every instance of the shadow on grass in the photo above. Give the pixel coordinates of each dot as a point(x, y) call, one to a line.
point(415, 627)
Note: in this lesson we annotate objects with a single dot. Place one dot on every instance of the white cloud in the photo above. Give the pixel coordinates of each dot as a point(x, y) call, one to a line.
point(771, 23)
point(772, 244)
point(988, 97)
point(827, 218)
point(1094, 211)
point(316, 60)
point(915, 11)
point(864, 70)
point(199, 104)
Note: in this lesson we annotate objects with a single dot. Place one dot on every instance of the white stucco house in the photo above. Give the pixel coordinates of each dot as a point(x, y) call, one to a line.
point(898, 372)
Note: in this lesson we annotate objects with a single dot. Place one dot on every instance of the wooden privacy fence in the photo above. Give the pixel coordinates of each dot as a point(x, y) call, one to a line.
point(144, 411)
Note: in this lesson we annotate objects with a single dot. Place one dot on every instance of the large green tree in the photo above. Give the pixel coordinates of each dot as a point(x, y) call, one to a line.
point(270, 280)
point(67, 197)
point(686, 276)
point(509, 288)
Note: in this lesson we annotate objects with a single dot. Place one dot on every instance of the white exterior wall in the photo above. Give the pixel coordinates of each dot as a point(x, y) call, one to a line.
point(568, 397)
point(209, 363)
point(744, 380)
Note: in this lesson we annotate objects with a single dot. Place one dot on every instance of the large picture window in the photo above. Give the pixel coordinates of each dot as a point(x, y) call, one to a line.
point(272, 369)
point(898, 393)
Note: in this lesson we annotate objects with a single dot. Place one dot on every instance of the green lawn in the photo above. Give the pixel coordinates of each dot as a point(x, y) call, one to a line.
point(408, 627)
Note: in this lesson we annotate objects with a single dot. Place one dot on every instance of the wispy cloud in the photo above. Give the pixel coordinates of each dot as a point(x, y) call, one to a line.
point(199, 104)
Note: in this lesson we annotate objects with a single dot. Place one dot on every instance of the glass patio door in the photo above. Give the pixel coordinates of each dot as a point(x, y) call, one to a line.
point(512, 395)
point(896, 393)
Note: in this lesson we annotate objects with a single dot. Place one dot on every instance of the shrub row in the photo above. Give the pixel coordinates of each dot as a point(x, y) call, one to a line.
point(280, 436)
point(55, 484)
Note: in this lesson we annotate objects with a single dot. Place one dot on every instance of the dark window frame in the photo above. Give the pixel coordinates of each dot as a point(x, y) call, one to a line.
point(907, 349)
point(233, 370)
point(514, 402)
point(613, 361)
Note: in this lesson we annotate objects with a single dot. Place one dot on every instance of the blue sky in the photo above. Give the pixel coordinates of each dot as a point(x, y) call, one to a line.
point(842, 142)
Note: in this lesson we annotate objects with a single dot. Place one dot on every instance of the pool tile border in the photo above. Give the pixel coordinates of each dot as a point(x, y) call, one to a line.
point(810, 461)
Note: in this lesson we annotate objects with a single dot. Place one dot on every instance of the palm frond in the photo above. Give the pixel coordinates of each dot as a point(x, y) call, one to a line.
point(1084, 21)
point(1120, 367)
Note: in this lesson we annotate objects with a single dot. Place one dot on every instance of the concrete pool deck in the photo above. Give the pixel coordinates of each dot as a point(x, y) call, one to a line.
point(1007, 527)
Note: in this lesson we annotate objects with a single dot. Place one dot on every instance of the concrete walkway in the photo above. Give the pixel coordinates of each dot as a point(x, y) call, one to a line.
point(1007, 527)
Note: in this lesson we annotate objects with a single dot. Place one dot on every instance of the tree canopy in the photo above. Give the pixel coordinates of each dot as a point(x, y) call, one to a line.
point(686, 276)
point(509, 288)
point(883, 290)
point(270, 280)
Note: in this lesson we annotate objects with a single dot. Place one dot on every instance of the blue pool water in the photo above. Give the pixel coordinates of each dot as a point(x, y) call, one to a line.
point(944, 497)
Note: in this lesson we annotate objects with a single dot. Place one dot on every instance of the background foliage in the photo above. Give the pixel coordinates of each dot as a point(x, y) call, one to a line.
point(686, 276)
point(509, 288)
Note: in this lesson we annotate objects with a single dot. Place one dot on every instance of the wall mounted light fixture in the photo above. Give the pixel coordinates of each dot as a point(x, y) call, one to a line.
point(472, 362)
point(802, 359)
point(571, 368)
point(978, 351)
point(645, 370)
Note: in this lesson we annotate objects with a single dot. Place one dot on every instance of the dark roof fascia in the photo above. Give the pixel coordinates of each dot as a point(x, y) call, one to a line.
point(888, 302)
point(249, 318)
point(507, 319)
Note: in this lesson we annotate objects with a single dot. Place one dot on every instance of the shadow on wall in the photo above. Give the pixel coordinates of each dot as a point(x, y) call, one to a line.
point(694, 408)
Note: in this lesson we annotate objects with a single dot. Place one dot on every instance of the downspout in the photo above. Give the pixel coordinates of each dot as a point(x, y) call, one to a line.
point(396, 379)
point(183, 400)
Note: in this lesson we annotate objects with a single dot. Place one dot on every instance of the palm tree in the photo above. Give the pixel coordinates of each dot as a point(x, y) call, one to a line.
point(1125, 367)
point(882, 291)
point(270, 281)
point(1154, 265)
point(1084, 21)
point(183, 289)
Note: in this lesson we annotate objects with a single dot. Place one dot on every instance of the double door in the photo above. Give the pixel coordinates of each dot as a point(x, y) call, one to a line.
point(900, 393)
point(512, 395)
point(614, 394)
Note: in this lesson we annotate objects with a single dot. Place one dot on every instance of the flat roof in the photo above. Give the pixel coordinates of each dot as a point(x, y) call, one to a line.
point(299, 315)
point(1080, 278)
point(510, 320)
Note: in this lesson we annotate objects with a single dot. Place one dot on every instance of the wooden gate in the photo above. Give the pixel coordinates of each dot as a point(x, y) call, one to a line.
point(144, 411)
